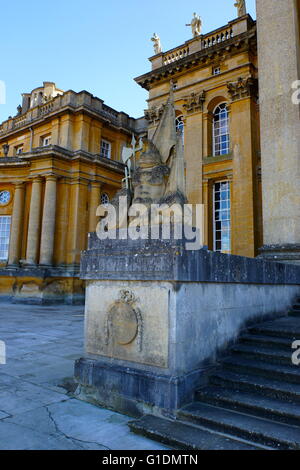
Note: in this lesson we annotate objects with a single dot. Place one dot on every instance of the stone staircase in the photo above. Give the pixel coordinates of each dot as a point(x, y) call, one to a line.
point(252, 400)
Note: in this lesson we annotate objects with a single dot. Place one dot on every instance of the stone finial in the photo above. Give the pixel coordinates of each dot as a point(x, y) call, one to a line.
point(241, 7)
point(157, 44)
point(19, 110)
point(196, 25)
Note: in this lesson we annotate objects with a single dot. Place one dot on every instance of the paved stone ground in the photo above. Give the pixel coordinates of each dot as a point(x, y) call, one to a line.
point(42, 343)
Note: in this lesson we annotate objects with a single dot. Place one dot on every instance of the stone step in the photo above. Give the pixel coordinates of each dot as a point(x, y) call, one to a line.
point(288, 327)
point(185, 436)
point(280, 372)
point(264, 386)
point(261, 353)
point(266, 341)
point(255, 429)
point(251, 403)
point(294, 313)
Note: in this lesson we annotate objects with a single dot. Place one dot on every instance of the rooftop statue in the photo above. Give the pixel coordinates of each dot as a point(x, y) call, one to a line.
point(241, 7)
point(157, 44)
point(196, 25)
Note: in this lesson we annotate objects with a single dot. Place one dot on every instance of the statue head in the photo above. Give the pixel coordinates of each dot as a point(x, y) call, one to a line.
point(149, 179)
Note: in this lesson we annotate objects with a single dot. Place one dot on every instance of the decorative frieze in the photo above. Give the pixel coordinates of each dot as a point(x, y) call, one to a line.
point(243, 88)
point(194, 102)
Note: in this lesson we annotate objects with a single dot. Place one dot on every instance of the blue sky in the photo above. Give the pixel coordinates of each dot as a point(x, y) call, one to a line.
point(95, 45)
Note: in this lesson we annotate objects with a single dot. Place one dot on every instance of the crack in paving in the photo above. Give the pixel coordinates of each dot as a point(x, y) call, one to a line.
point(59, 431)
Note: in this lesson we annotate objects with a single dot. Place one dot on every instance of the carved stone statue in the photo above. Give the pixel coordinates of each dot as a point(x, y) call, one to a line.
point(157, 43)
point(159, 177)
point(241, 7)
point(196, 25)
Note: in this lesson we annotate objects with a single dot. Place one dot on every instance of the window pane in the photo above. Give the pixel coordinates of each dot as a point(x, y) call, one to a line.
point(105, 149)
point(220, 130)
point(5, 222)
point(222, 225)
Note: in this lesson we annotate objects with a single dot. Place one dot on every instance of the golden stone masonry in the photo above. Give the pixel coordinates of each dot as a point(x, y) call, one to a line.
point(61, 155)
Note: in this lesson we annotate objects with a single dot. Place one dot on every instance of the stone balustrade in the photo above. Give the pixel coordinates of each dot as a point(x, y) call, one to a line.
point(72, 100)
point(175, 55)
point(212, 40)
point(204, 41)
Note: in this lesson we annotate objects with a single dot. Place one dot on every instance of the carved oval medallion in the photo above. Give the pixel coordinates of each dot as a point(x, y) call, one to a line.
point(124, 323)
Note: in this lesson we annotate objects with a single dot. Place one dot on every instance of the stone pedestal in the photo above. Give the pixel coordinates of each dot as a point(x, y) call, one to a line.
point(158, 316)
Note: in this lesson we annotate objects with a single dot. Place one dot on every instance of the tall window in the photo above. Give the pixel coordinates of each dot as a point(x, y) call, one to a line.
point(222, 224)
point(180, 126)
point(105, 150)
point(4, 236)
point(221, 141)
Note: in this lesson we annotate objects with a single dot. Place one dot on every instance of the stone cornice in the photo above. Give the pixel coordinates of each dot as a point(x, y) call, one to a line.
point(245, 41)
point(61, 153)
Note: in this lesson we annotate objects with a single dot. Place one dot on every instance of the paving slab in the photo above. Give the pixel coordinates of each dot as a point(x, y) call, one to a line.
point(36, 412)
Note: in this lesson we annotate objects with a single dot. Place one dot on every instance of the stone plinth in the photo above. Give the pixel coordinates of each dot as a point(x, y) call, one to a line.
point(158, 316)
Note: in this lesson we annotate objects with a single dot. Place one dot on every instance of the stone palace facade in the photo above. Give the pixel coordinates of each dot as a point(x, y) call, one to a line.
point(61, 155)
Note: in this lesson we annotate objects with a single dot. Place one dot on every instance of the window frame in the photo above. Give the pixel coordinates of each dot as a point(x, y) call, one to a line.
point(104, 195)
point(109, 148)
point(220, 210)
point(180, 129)
point(6, 237)
point(43, 139)
point(215, 152)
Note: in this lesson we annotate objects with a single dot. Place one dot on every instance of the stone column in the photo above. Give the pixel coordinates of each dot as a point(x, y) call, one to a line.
point(34, 228)
point(78, 221)
point(193, 155)
point(48, 224)
point(278, 54)
point(243, 94)
point(16, 225)
point(94, 203)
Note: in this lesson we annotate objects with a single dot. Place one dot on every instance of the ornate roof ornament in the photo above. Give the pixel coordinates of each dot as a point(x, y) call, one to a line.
point(157, 44)
point(241, 7)
point(196, 25)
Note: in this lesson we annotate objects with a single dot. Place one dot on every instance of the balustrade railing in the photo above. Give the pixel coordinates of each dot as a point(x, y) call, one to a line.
point(175, 55)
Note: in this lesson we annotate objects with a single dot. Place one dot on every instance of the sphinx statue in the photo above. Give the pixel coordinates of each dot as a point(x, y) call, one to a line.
point(159, 175)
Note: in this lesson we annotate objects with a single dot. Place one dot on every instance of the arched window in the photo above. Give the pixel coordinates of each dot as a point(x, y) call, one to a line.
point(179, 123)
point(221, 138)
point(104, 199)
